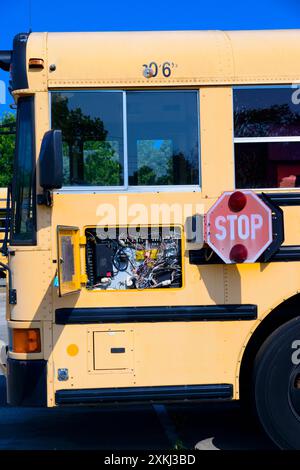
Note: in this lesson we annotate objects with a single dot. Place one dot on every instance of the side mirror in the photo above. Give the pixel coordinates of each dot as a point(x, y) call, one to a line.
point(51, 161)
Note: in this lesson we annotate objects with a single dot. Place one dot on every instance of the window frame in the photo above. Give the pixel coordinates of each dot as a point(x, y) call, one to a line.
point(126, 187)
point(33, 240)
point(252, 140)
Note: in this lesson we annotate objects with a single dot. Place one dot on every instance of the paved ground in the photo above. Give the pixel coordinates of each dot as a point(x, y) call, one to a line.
point(204, 426)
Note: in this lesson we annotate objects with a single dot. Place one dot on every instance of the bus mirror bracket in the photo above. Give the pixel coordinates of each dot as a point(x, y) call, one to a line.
point(50, 165)
point(12, 293)
point(45, 199)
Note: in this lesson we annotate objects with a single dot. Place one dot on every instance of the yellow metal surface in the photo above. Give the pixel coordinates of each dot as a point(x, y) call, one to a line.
point(113, 59)
point(65, 210)
point(216, 133)
point(167, 353)
point(163, 354)
point(33, 276)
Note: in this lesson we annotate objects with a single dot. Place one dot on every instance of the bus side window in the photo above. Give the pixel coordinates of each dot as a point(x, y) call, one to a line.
point(152, 134)
point(163, 136)
point(266, 137)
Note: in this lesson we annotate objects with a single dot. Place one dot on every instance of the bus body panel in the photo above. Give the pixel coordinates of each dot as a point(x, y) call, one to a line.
point(112, 59)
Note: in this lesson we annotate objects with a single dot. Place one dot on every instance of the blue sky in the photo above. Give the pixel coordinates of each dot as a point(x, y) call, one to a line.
point(126, 15)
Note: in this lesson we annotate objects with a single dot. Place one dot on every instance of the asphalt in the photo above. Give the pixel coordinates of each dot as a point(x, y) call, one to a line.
point(204, 426)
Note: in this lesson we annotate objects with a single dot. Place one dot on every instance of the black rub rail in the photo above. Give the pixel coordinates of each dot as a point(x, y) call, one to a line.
point(73, 316)
point(142, 394)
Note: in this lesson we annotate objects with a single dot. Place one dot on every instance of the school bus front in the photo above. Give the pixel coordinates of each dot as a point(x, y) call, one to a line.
point(155, 246)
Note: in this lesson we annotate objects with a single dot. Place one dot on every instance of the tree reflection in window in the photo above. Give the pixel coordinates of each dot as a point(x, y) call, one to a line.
point(158, 165)
point(163, 138)
point(101, 163)
point(89, 158)
point(266, 112)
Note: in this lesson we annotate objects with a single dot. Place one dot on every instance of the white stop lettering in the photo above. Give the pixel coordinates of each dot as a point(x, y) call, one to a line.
point(235, 226)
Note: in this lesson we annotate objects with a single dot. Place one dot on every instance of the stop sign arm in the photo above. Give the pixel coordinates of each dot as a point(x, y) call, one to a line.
point(277, 229)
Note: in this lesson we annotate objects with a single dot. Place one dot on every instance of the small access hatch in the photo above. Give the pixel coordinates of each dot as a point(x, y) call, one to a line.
point(113, 350)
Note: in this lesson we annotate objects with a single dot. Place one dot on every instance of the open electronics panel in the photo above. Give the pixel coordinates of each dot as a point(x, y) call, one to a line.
point(124, 258)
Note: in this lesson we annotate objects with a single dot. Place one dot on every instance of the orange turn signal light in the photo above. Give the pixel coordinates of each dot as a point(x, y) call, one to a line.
point(36, 63)
point(26, 340)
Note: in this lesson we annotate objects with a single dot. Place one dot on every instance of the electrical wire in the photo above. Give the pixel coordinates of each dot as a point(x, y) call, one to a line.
point(162, 270)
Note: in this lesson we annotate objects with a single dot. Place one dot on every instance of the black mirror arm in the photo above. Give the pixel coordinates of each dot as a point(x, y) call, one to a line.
point(45, 199)
point(12, 293)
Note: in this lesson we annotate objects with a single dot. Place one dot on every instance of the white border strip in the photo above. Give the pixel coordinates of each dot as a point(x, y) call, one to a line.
point(242, 140)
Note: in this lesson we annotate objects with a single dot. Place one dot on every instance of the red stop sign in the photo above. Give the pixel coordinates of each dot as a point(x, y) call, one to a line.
point(238, 227)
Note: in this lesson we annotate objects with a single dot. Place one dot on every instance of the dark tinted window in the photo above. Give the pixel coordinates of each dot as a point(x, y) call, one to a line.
point(92, 128)
point(23, 221)
point(163, 136)
point(266, 112)
point(267, 137)
point(267, 165)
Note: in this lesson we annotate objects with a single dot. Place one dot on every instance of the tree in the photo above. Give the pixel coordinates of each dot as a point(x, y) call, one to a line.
point(101, 163)
point(158, 164)
point(273, 121)
point(89, 158)
point(7, 148)
point(154, 162)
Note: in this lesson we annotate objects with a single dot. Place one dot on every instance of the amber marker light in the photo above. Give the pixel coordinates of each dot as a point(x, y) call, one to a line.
point(26, 340)
point(36, 63)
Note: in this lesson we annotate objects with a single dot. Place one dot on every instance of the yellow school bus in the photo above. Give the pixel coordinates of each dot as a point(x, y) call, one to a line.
point(126, 144)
